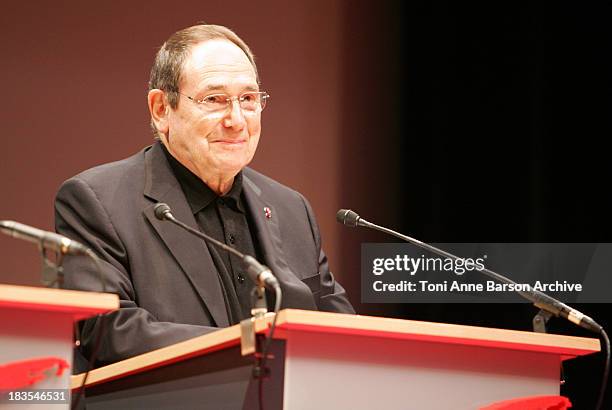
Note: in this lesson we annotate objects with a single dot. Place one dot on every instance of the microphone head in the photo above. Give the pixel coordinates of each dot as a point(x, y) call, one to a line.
point(162, 211)
point(347, 217)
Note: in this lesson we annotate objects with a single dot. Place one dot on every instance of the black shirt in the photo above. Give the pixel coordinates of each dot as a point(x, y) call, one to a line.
point(225, 218)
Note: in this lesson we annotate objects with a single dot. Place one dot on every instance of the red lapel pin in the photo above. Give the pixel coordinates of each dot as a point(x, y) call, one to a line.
point(267, 212)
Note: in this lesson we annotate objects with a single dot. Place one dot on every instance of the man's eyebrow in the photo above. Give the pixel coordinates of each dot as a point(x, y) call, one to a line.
point(219, 86)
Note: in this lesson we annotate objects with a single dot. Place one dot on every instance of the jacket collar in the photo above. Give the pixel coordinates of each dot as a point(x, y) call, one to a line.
point(266, 223)
point(192, 254)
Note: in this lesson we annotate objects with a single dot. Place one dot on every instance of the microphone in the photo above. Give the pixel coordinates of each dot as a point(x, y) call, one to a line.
point(349, 218)
point(539, 299)
point(260, 274)
point(47, 240)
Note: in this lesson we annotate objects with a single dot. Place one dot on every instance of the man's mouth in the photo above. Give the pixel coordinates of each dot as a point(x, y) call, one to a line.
point(231, 142)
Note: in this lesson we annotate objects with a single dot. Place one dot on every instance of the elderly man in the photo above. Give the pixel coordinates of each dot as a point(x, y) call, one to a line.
point(205, 105)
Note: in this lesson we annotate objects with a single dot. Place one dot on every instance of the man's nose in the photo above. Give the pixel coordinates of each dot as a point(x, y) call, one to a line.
point(235, 118)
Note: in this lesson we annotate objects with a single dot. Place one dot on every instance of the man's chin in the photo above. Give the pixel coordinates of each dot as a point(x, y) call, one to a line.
point(231, 167)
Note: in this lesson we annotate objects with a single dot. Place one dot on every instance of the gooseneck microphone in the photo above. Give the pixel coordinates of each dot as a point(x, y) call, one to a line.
point(539, 299)
point(47, 240)
point(259, 274)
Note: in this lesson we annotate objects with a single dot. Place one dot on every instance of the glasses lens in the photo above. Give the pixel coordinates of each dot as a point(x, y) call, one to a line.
point(215, 102)
point(250, 101)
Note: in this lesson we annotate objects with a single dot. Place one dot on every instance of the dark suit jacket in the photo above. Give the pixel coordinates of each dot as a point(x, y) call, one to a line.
point(165, 278)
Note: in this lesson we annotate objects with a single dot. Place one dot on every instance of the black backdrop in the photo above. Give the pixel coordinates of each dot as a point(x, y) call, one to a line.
point(502, 111)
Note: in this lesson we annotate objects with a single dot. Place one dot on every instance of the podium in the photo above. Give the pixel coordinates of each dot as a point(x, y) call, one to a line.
point(336, 361)
point(36, 339)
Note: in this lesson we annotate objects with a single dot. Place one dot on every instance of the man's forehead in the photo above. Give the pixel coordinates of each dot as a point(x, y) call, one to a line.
point(217, 59)
point(222, 81)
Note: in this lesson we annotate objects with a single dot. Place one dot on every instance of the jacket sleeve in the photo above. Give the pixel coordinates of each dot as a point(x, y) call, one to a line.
point(333, 296)
point(131, 330)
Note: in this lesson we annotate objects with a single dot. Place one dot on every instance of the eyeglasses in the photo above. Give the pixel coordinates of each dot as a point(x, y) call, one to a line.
point(251, 102)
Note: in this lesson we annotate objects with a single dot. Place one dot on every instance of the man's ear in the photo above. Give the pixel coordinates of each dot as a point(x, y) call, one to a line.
point(159, 109)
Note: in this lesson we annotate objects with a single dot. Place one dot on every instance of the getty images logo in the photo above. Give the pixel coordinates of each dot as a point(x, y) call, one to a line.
point(405, 263)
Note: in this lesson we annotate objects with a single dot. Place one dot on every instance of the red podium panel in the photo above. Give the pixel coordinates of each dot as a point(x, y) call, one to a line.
point(36, 329)
point(336, 361)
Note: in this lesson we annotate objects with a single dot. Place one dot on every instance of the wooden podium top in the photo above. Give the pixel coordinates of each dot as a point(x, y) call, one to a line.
point(334, 323)
point(79, 305)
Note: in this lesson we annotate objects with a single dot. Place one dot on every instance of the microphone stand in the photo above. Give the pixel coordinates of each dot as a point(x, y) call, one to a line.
point(52, 273)
point(539, 299)
point(263, 278)
point(548, 305)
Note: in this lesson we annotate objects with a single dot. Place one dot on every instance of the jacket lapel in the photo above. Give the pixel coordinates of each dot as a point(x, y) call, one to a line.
point(191, 254)
point(296, 294)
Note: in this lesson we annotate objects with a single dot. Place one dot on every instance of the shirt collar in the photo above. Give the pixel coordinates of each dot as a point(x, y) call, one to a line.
point(198, 194)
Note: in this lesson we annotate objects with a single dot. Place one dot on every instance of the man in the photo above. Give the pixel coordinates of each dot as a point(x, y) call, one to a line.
point(205, 106)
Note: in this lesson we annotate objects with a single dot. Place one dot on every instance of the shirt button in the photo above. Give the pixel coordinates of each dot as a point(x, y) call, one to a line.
point(220, 201)
point(231, 238)
point(241, 278)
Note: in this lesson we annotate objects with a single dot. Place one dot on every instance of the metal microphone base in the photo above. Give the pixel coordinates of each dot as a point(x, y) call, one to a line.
point(248, 342)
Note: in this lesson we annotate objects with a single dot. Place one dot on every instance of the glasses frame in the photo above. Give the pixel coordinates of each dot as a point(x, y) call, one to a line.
point(263, 95)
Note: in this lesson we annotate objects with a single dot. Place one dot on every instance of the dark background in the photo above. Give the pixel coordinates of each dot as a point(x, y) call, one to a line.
point(448, 121)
